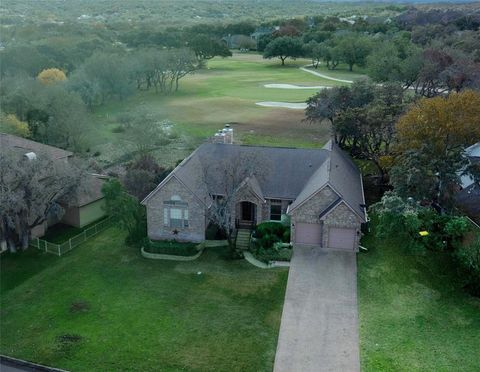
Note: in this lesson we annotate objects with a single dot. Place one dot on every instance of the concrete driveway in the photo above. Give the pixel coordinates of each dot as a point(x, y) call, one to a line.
point(319, 329)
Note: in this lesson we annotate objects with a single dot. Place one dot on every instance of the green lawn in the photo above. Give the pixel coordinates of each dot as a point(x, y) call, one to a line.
point(104, 307)
point(413, 314)
point(60, 233)
point(224, 92)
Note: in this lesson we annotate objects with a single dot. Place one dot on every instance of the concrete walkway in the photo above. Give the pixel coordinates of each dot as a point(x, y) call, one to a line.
point(319, 329)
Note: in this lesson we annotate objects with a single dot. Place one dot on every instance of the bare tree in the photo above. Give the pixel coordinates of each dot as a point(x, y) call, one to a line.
point(162, 69)
point(30, 193)
point(224, 179)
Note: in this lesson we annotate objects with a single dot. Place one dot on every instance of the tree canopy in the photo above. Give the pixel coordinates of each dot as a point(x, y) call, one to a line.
point(284, 47)
point(431, 138)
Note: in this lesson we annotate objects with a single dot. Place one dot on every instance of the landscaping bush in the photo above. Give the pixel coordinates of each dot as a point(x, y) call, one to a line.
point(468, 258)
point(405, 219)
point(171, 247)
point(267, 233)
point(268, 243)
point(214, 232)
point(267, 255)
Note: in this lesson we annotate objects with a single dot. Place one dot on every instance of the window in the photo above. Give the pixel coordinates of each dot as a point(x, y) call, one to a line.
point(275, 210)
point(175, 213)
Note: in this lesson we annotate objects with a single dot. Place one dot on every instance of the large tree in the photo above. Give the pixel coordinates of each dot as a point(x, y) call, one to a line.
point(31, 192)
point(353, 49)
point(363, 118)
point(162, 69)
point(431, 138)
point(284, 47)
point(206, 47)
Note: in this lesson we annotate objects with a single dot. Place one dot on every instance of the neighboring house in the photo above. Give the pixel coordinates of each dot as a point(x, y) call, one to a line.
point(84, 207)
point(88, 205)
point(321, 190)
point(468, 198)
point(262, 31)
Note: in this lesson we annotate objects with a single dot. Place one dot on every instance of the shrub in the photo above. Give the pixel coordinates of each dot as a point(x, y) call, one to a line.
point(269, 233)
point(405, 219)
point(118, 129)
point(269, 237)
point(214, 232)
point(171, 247)
point(468, 258)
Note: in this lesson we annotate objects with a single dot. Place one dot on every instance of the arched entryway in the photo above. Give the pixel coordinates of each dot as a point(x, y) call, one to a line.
point(247, 214)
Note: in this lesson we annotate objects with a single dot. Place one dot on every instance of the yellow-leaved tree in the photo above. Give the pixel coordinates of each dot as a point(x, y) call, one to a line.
point(51, 76)
point(445, 123)
point(430, 142)
point(9, 123)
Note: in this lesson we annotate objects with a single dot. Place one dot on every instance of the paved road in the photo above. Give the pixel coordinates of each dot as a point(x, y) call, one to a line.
point(319, 329)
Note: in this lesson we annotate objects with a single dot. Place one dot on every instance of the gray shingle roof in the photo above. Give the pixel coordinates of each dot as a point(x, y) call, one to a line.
point(283, 173)
point(22, 146)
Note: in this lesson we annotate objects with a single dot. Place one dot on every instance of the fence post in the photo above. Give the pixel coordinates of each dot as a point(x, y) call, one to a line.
point(59, 253)
point(46, 246)
point(70, 243)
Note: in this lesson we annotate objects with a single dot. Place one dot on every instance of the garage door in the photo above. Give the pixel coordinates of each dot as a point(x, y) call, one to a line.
point(341, 238)
point(308, 233)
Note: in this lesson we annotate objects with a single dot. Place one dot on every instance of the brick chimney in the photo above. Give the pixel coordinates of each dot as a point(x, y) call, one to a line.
point(224, 135)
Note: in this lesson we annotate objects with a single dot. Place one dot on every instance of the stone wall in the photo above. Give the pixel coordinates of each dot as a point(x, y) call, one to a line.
point(310, 211)
point(195, 232)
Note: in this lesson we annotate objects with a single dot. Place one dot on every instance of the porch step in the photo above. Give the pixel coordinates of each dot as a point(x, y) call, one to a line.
point(243, 239)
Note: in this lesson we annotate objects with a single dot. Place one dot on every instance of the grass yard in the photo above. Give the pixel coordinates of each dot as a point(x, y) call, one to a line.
point(104, 307)
point(60, 233)
point(413, 314)
point(225, 92)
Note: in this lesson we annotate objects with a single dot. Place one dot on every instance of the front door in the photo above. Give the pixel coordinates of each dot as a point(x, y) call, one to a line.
point(248, 212)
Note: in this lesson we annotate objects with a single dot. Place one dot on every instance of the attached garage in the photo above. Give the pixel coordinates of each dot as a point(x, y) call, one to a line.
point(308, 233)
point(341, 238)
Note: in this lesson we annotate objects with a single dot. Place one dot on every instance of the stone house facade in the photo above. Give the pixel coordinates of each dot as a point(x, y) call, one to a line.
point(321, 190)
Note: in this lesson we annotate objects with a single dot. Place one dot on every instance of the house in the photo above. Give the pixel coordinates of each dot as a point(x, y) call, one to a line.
point(239, 41)
point(84, 207)
point(320, 189)
point(262, 31)
point(468, 197)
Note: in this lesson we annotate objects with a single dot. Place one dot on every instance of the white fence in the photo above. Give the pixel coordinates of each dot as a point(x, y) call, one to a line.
point(60, 249)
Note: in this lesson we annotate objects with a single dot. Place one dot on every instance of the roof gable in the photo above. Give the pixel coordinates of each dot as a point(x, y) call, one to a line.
point(287, 173)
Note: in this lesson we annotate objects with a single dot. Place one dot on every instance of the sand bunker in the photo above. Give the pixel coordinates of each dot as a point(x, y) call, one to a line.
point(290, 105)
point(292, 86)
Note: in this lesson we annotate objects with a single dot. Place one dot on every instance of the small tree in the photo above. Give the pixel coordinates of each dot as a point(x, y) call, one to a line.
point(9, 123)
point(143, 176)
point(51, 76)
point(145, 131)
point(125, 209)
point(232, 171)
point(468, 257)
point(398, 218)
point(284, 47)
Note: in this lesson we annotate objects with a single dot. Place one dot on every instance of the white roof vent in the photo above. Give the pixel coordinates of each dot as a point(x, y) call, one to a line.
point(31, 156)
